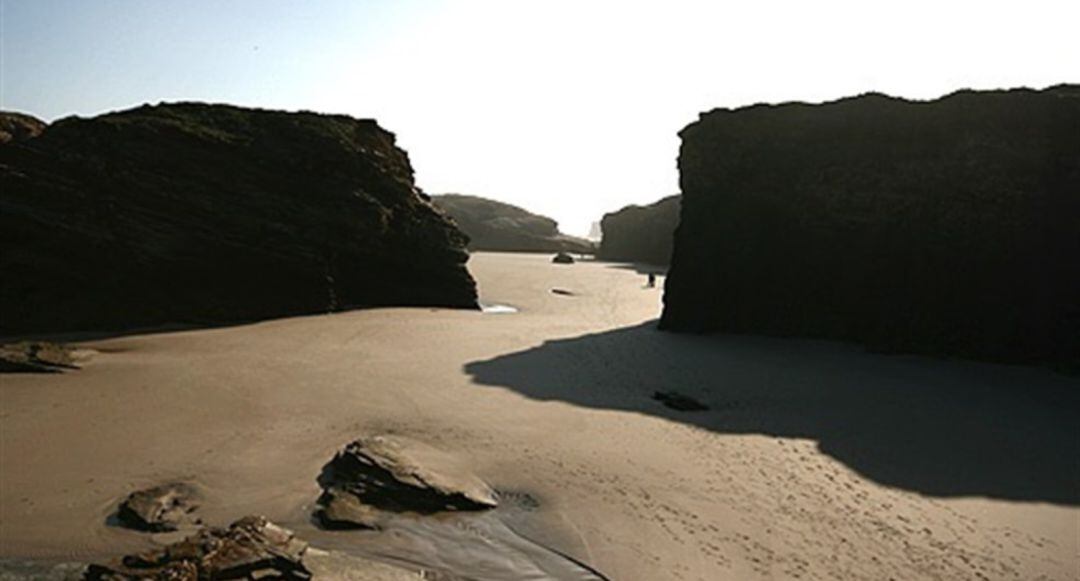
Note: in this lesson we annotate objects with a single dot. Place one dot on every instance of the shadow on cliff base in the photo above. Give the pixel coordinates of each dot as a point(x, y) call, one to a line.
point(939, 428)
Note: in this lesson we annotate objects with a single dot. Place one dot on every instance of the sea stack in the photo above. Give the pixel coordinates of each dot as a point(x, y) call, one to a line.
point(640, 233)
point(194, 213)
point(947, 227)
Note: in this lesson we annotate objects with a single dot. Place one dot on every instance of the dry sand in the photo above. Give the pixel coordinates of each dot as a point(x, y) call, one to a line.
point(817, 460)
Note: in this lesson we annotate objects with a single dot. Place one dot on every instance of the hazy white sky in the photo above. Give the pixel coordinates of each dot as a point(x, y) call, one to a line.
point(568, 108)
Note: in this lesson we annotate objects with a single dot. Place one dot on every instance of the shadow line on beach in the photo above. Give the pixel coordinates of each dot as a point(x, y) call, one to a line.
point(936, 427)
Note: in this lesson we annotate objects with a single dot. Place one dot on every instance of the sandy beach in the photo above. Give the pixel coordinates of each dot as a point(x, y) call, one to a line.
point(816, 460)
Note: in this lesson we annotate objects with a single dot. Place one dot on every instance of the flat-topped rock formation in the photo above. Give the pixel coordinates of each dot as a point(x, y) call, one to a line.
point(946, 227)
point(501, 227)
point(194, 213)
point(640, 233)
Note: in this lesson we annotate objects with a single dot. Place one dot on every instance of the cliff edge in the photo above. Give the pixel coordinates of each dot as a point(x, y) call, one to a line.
point(947, 227)
point(196, 213)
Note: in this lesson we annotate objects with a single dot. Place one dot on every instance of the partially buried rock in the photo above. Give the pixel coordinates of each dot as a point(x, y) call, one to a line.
point(563, 258)
point(251, 548)
point(395, 474)
point(679, 402)
point(167, 507)
point(36, 357)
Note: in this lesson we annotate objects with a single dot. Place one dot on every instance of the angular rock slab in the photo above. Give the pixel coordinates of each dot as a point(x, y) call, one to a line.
point(251, 548)
point(167, 507)
point(396, 474)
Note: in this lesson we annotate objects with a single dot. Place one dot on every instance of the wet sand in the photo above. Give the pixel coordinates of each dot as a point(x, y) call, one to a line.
point(816, 460)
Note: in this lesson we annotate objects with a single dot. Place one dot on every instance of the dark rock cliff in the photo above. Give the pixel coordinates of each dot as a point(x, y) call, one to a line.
point(640, 233)
point(945, 227)
point(193, 213)
point(497, 226)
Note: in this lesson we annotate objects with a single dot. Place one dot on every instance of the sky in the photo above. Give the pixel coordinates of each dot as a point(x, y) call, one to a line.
point(567, 108)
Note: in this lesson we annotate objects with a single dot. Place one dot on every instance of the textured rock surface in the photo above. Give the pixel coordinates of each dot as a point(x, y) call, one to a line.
point(946, 227)
point(19, 127)
point(496, 226)
point(251, 548)
point(396, 474)
point(193, 213)
point(38, 357)
point(640, 233)
point(167, 507)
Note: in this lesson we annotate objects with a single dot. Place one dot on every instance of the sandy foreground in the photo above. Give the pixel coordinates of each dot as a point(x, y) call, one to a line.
point(816, 460)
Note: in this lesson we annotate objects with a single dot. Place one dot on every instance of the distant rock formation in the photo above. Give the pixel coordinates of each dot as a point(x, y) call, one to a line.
point(595, 233)
point(497, 226)
point(945, 227)
point(640, 233)
point(195, 213)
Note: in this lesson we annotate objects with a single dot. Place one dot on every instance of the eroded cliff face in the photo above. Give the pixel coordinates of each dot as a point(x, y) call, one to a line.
point(194, 213)
point(640, 233)
point(947, 227)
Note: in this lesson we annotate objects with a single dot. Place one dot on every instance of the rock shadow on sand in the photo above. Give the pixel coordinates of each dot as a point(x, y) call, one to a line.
point(935, 427)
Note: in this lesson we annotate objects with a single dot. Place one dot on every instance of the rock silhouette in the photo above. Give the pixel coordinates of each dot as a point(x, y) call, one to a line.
point(195, 213)
point(640, 233)
point(946, 227)
point(501, 227)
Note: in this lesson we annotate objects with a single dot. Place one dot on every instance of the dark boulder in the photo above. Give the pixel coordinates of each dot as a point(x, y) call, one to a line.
point(945, 227)
point(640, 233)
point(194, 213)
point(501, 227)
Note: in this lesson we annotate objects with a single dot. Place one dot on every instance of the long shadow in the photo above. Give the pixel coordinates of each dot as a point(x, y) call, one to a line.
point(936, 427)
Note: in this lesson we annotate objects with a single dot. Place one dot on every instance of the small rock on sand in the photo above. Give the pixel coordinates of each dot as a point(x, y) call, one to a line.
point(167, 507)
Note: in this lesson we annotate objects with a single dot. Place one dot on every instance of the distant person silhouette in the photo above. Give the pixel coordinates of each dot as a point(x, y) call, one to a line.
point(652, 280)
